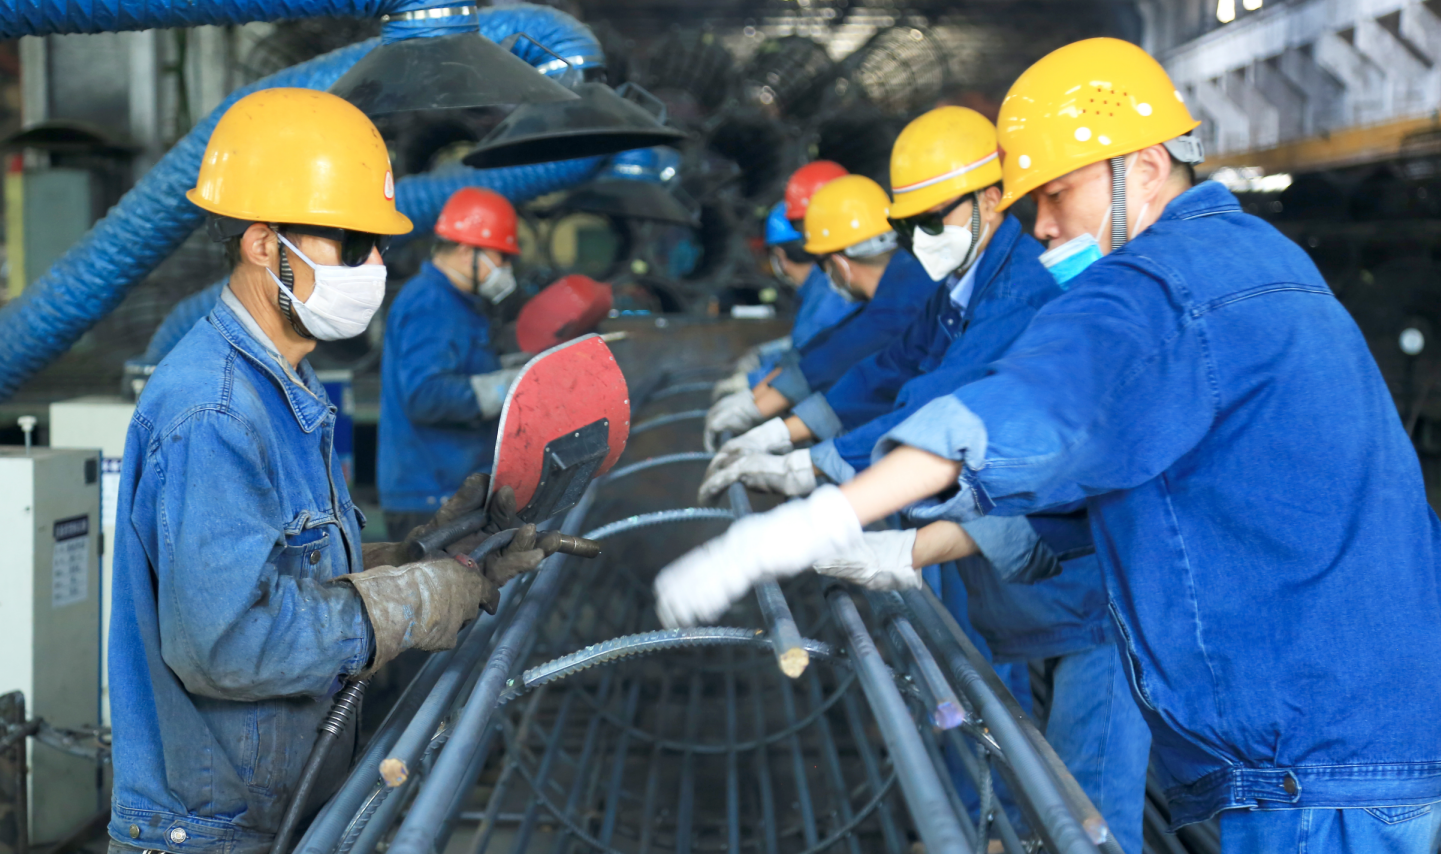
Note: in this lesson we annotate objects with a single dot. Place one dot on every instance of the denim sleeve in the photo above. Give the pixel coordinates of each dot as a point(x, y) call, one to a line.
point(791, 381)
point(830, 463)
point(232, 625)
point(869, 389)
point(1015, 550)
point(435, 385)
point(1108, 386)
point(818, 417)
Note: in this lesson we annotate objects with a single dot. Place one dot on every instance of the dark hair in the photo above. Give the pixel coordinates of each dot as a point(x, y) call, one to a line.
point(442, 245)
point(796, 253)
point(1188, 168)
point(232, 251)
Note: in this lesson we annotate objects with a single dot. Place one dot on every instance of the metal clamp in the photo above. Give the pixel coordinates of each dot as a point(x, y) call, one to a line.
point(429, 14)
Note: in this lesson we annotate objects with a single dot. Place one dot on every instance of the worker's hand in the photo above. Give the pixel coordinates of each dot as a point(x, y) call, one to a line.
point(420, 605)
point(470, 496)
point(734, 413)
point(523, 555)
point(791, 475)
point(771, 437)
point(881, 562)
point(490, 390)
point(739, 381)
point(704, 582)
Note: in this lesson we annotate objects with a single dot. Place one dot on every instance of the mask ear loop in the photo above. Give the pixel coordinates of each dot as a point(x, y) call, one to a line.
point(975, 233)
point(287, 276)
point(1118, 203)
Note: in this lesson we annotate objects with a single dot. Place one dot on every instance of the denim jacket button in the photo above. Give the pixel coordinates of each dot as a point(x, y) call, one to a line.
point(177, 836)
point(314, 558)
point(134, 831)
point(1290, 785)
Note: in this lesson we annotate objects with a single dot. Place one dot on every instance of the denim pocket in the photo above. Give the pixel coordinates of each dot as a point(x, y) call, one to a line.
point(1398, 815)
point(306, 554)
point(257, 767)
point(1132, 661)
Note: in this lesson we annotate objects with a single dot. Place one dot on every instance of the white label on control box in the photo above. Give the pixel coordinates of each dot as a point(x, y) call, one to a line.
point(70, 569)
point(109, 490)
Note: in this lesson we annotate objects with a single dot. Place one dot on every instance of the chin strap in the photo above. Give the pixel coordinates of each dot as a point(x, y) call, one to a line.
point(975, 233)
point(288, 277)
point(474, 271)
point(1118, 203)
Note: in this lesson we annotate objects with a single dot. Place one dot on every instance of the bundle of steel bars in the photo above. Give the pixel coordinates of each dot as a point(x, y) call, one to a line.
point(816, 718)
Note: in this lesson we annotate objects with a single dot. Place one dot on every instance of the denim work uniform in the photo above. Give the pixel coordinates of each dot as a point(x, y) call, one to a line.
point(1256, 506)
point(432, 435)
point(226, 639)
point(900, 295)
point(819, 308)
point(968, 323)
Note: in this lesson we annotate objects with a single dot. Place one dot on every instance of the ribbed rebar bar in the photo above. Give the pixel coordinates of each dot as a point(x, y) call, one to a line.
point(790, 649)
point(655, 462)
point(664, 420)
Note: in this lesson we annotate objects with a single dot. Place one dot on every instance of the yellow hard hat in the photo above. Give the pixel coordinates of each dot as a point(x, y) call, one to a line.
point(845, 212)
point(302, 157)
point(1081, 104)
point(945, 154)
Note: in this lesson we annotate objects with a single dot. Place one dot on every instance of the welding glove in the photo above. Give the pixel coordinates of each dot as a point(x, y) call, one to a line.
point(739, 381)
point(786, 541)
point(772, 437)
point(490, 390)
point(469, 497)
point(420, 605)
point(881, 562)
point(734, 413)
point(790, 475)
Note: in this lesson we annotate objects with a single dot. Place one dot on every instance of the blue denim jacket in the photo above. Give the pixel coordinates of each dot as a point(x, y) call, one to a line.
point(819, 308)
point(1258, 510)
point(431, 433)
point(941, 349)
point(900, 296)
point(226, 638)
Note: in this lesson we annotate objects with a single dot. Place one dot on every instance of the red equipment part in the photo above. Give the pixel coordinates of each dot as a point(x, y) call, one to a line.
point(567, 308)
point(566, 420)
point(804, 183)
point(478, 217)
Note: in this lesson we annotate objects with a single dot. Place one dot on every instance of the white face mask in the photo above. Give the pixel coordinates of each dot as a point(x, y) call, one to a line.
point(497, 284)
point(842, 289)
point(344, 299)
point(949, 252)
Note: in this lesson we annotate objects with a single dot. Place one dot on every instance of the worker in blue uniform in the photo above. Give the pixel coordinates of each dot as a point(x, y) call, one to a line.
point(1258, 509)
point(442, 383)
point(242, 596)
point(892, 286)
point(946, 181)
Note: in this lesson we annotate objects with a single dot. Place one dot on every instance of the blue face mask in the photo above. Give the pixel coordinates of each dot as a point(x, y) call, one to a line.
point(1068, 260)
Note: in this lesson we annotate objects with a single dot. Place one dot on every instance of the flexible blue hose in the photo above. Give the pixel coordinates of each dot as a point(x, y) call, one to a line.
point(154, 218)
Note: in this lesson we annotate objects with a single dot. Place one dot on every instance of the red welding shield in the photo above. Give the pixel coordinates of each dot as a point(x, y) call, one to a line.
point(566, 420)
point(567, 308)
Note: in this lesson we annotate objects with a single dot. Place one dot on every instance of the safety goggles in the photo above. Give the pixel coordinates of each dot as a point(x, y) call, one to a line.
point(931, 222)
point(355, 246)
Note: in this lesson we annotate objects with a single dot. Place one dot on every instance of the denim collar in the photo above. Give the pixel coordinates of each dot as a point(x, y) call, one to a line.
point(1205, 199)
point(995, 255)
point(302, 390)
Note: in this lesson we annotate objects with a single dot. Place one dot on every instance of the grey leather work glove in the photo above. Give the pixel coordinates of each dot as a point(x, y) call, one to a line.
point(469, 497)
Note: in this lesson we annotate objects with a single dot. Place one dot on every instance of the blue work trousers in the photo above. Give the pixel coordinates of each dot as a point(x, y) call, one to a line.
point(1378, 830)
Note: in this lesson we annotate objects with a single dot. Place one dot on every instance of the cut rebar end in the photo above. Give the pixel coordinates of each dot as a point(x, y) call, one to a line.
point(794, 662)
point(393, 772)
point(1097, 829)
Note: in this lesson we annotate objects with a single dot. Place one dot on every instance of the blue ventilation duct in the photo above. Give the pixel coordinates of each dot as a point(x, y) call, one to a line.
point(154, 218)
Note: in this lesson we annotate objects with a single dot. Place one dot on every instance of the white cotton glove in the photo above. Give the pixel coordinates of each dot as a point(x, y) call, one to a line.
point(735, 413)
point(881, 562)
point(749, 361)
point(786, 541)
point(490, 390)
point(790, 475)
point(739, 381)
point(772, 437)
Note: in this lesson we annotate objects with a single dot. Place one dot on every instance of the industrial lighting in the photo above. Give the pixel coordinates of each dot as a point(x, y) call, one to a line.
point(1226, 11)
point(443, 73)
point(1413, 341)
point(1251, 179)
point(600, 121)
point(1251, 5)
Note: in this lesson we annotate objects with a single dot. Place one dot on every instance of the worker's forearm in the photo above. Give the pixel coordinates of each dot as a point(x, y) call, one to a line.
point(770, 402)
point(901, 478)
point(939, 542)
point(799, 431)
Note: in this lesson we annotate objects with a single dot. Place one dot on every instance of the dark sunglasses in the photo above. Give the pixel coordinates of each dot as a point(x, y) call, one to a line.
point(355, 246)
point(931, 222)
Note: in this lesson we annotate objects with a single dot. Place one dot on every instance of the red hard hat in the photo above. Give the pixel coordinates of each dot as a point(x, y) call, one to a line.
point(567, 308)
point(478, 217)
point(804, 183)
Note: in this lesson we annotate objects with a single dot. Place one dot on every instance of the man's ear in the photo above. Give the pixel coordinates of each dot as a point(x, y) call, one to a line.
point(257, 245)
point(990, 199)
point(1151, 170)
